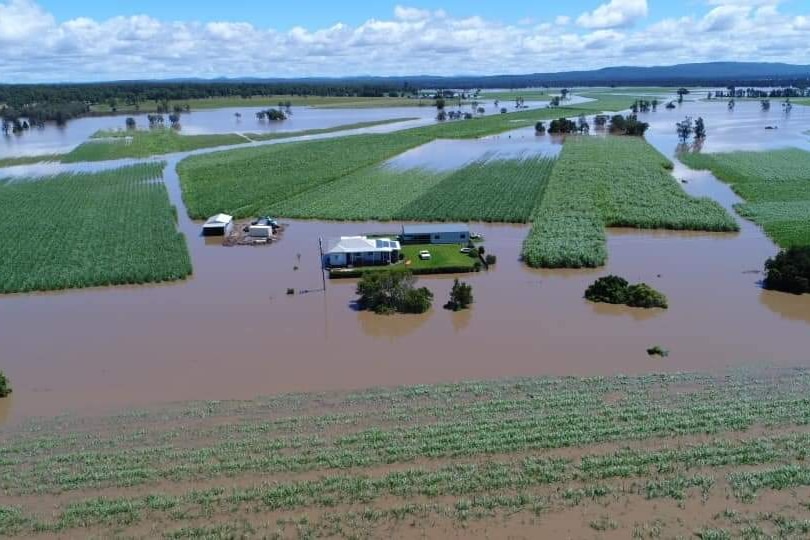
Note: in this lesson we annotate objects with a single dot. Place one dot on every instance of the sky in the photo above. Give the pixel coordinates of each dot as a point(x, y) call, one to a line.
point(92, 40)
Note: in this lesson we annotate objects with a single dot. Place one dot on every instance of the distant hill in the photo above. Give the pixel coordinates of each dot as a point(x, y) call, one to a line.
point(710, 73)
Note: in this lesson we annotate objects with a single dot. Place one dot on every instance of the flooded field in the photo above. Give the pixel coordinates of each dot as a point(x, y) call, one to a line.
point(52, 139)
point(231, 331)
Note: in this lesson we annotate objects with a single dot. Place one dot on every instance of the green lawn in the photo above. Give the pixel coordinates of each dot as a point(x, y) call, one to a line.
point(775, 185)
point(442, 256)
point(28, 160)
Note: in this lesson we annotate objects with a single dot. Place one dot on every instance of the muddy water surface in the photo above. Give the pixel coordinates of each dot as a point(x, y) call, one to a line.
point(232, 332)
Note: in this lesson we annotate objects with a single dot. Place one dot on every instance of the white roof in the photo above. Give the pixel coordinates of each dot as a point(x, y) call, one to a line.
point(360, 244)
point(219, 219)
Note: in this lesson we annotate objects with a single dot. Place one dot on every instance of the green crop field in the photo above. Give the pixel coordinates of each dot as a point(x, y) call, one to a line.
point(90, 229)
point(774, 184)
point(108, 145)
point(245, 181)
point(28, 160)
point(648, 456)
point(500, 190)
point(503, 190)
point(610, 182)
point(248, 181)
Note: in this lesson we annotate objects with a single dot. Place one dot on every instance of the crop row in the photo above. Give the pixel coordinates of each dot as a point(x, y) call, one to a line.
point(502, 190)
point(406, 435)
point(774, 184)
point(610, 182)
point(248, 181)
point(91, 229)
point(654, 474)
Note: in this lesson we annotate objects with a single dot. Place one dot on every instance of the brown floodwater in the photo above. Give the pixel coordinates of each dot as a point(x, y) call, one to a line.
point(231, 331)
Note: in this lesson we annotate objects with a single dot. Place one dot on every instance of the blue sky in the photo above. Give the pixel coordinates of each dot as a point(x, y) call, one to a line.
point(86, 40)
point(284, 15)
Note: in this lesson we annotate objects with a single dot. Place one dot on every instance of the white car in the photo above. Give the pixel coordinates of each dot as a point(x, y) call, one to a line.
point(424, 255)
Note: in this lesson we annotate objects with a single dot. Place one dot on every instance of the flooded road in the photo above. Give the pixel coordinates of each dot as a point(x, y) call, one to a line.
point(231, 331)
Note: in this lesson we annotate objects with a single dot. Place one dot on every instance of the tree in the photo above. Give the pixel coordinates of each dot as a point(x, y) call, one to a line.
point(564, 93)
point(600, 121)
point(5, 387)
point(174, 118)
point(130, 122)
point(609, 289)
point(391, 291)
point(442, 116)
point(460, 296)
point(731, 104)
point(700, 129)
point(684, 129)
point(787, 106)
point(540, 128)
point(562, 126)
point(628, 125)
point(654, 105)
point(789, 271)
point(582, 125)
point(440, 104)
point(643, 296)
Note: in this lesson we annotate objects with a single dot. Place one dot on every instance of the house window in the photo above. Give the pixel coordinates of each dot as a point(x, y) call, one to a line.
point(463, 236)
point(436, 236)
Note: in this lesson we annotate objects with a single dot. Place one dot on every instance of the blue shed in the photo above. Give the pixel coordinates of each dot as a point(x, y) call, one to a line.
point(438, 233)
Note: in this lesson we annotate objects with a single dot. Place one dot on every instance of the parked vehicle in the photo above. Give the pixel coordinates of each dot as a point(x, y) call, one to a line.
point(424, 255)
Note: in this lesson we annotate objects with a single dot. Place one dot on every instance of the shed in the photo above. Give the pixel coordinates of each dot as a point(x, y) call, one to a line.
point(360, 251)
point(218, 225)
point(437, 233)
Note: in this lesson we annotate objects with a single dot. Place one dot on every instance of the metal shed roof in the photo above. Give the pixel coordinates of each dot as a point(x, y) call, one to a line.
point(436, 228)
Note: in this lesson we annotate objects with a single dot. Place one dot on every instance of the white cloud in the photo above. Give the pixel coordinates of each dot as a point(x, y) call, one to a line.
point(35, 47)
point(614, 14)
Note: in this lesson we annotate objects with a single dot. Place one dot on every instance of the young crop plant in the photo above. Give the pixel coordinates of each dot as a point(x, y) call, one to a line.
point(610, 181)
point(90, 229)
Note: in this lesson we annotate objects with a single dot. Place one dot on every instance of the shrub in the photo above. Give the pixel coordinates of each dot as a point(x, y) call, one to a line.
point(391, 291)
point(417, 300)
point(609, 289)
point(491, 259)
point(658, 350)
point(5, 387)
point(460, 296)
point(644, 296)
point(789, 271)
point(477, 266)
point(616, 290)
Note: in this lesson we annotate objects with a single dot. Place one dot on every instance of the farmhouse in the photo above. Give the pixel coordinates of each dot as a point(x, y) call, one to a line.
point(218, 225)
point(439, 233)
point(360, 251)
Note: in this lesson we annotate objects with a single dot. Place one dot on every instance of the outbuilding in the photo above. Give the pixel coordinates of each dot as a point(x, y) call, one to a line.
point(218, 225)
point(360, 251)
point(438, 233)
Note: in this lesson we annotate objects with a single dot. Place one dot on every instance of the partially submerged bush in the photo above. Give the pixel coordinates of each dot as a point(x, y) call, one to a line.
point(491, 259)
point(460, 296)
point(5, 387)
point(616, 290)
point(643, 296)
point(658, 351)
point(789, 271)
point(609, 289)
point(392, 291)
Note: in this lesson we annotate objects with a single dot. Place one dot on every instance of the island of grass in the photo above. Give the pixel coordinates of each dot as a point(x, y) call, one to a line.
point(444, 259)
point(484, 458)
point(613, 181)
point(774, 184)
point(89, 229)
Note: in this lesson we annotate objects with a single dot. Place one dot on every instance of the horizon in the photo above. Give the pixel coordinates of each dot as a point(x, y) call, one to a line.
point(94, 41)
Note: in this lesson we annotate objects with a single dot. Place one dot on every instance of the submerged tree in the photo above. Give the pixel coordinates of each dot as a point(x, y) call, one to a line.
point(5, 387)
point(392, 291)
point(766, 104)
point(700, 129)
point(731, 104)
point(789, 271)
point(582, 125)
point(684, 129)
point(540, 128)
point(130, 122)
point(627, 125)
point(460, 296)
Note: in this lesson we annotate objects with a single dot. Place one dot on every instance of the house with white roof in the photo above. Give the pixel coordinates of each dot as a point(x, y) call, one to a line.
point(218, 225)
point(360, 251)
